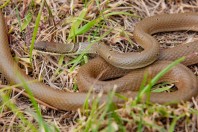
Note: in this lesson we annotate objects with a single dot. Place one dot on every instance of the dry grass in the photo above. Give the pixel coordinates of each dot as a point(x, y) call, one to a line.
point(57, 27)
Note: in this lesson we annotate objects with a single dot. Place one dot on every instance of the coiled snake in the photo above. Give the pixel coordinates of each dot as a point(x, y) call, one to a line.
point(129, 79)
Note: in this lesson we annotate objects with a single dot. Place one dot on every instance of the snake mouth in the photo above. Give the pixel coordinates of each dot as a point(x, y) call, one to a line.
point(41, 49)
point(45, 47)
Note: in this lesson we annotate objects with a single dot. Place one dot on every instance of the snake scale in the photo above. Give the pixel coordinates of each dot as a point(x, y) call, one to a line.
point(110, 64)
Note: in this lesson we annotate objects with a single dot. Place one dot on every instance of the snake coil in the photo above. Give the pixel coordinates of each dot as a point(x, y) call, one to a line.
point(180, 75)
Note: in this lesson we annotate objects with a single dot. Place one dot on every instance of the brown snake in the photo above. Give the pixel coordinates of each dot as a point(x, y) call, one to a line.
point(181, 76)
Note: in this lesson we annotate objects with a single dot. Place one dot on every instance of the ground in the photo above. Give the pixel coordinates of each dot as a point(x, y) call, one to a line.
point(57, 20)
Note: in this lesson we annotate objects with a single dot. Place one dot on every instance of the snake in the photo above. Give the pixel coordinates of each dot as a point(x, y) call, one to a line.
point(99, 73)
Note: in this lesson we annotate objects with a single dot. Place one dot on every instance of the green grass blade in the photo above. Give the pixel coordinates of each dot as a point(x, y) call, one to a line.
point(75, 25)
point(36, 29)
point(79, 58)
point(87, 27)
point(4, 4)
point(159, 90)
point(26, 22)
point(173, 123)
point(17, 112)
point(157, 77)
point(34, 103)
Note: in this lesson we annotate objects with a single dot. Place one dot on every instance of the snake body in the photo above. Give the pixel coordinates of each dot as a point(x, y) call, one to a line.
point(180, 75)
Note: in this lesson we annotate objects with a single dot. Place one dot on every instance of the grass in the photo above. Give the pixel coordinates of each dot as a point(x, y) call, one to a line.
point(154, 81)
point(90, 21)
point(98, 115)
point(36, 29)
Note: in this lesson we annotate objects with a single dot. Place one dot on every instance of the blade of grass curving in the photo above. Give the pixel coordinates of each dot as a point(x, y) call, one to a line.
point(94, 22)
point(157, 77)
point(34, 103)
point(87, 27)
point(75, 25)
point(36, 29)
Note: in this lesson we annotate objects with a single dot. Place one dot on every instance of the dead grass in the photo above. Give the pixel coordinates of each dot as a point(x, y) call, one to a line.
point(57, 27)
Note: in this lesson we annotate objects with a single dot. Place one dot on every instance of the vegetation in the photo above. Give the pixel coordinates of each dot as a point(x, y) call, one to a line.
point(75, 21)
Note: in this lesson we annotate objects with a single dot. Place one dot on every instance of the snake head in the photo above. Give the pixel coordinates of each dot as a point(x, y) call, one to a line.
point(41, 45)
point(45, 46)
